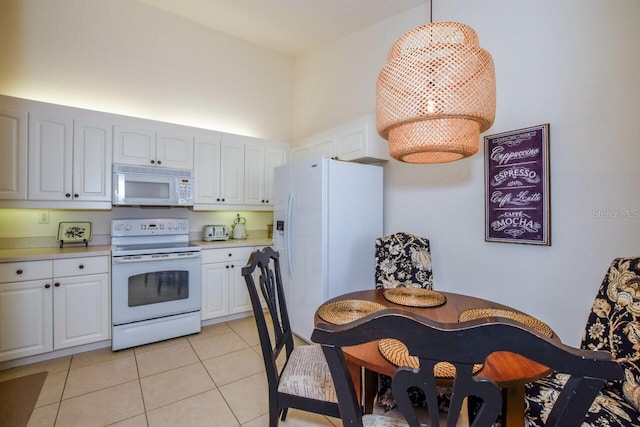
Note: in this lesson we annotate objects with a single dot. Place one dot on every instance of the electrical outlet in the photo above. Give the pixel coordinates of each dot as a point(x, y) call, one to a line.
point(43, 217)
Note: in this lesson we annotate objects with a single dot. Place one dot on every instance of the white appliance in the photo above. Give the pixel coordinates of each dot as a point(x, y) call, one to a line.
point(151, 186)
point(211, 233)
point(155, 281)
point(327, 215)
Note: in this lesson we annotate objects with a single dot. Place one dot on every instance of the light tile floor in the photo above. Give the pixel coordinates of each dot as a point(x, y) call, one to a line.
point(215, 378)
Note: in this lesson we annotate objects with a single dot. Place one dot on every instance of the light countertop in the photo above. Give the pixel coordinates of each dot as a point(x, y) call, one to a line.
point(216, 244)
point(35, 254)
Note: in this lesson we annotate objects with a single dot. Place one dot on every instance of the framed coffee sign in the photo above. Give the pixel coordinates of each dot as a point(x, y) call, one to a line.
point(517, 205)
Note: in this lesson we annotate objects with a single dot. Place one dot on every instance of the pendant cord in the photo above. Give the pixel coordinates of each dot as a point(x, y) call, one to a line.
point(431, 11)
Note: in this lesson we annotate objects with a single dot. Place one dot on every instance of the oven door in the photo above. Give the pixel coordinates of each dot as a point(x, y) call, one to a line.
point(151, 286)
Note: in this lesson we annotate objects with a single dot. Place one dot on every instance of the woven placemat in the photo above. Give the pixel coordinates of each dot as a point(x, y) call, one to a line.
point(348, 310)
point(414, 297)
point(398, 354)
point(532, 322)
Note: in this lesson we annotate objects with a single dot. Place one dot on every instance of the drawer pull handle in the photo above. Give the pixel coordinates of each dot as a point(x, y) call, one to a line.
point(81, 266)
point(19, 271)
point(47, 286)
point(56, 284)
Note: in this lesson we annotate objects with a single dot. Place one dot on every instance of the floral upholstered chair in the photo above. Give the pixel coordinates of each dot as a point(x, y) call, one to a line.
point(613, 325)
point(403, 260)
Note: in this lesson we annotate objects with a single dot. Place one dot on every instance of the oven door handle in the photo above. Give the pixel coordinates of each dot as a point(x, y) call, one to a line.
point(155, 257)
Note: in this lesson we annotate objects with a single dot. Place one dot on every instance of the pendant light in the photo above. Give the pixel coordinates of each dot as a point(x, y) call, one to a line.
point(436, 94)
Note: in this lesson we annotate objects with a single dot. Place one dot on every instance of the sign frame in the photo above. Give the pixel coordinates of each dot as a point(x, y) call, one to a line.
point(517, 186)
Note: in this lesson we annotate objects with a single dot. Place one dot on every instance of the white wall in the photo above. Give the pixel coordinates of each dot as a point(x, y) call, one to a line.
point(125, 57)
point(570, 63)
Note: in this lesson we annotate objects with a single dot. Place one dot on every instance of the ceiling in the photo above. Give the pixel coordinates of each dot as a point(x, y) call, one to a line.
point(289, 27)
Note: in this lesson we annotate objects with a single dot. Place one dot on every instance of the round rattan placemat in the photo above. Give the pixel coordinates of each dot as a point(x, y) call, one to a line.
point(398, 354)
point(532, 322)
point(348, 310)
point(414, 297)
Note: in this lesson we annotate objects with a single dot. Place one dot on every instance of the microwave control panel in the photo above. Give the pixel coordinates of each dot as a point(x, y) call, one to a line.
point(184, 188)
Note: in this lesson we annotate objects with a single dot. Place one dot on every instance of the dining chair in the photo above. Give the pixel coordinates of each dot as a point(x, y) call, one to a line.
point(465, 346)
point(403, 260)
point(613, 325)
point(305, 381)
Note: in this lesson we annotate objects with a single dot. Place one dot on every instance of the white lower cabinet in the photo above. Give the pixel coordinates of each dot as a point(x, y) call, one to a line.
point(80, 301)
point(53, 304)
point(224, 291)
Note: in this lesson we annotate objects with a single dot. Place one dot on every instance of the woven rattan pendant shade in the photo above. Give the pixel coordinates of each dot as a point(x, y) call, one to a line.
point(436, 94)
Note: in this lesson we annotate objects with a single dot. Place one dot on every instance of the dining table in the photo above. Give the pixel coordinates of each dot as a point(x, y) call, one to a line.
point(508, 370)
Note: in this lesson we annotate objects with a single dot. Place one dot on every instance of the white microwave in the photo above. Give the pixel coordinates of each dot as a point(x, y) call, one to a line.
point(151, 186)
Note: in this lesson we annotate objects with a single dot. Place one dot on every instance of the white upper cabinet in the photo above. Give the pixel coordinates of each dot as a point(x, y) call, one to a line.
point(356, 141)
point(50, 157)
point(174, 150)
point(232, 169)
point(218, 171)
point(261, 158)
point(148, 147)
point(59, 157)
point(69, 160)
point(92, 158)
point(13, 162)
point(206, 169)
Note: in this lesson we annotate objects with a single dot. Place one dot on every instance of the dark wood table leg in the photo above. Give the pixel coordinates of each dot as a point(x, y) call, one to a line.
point(370, 389)
point(513, 406)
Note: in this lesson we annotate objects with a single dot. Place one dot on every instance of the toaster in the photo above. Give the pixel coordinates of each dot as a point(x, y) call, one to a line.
point(215, 232)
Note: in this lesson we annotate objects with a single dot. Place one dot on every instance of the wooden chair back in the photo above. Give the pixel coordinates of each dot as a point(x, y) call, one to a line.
point(463, 345)
point(274, 330)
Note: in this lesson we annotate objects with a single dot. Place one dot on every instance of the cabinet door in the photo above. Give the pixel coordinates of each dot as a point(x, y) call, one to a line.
point(239, 300)
point(325, 148)
point(273, 157)
point(92, 154)
point(134, 146)
point(215, 290)
point(300, 153)
point(231, 170)
point(13, 162)
point(254, 174)
point(174, 151)
point(81, 310)
point(50, 157)
point(351, 144)
point(206, 169)
point(25, 319)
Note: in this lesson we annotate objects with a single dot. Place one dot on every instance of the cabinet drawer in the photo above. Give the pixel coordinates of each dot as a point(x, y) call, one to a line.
point(228, 254)
point(25, 270)
point(80, 266)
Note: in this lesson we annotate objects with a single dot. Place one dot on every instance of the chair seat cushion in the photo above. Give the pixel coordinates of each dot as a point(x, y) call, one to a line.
point(371, 420)
point(307, 375)
point(609, 409)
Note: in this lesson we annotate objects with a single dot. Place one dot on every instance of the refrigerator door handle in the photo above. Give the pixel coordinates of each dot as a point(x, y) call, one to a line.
point(287, 234)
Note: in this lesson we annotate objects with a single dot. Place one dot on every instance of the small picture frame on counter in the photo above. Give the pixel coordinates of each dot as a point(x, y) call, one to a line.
point(74, 232)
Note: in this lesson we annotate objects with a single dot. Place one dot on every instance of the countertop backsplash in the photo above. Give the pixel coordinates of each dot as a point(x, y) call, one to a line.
point(20, 228)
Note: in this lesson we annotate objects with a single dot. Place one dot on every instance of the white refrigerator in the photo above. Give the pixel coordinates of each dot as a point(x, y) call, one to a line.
point(327, 215)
